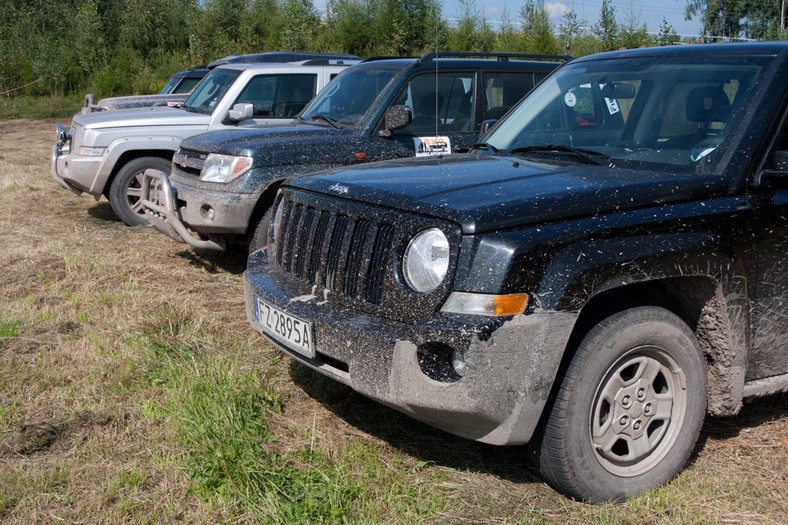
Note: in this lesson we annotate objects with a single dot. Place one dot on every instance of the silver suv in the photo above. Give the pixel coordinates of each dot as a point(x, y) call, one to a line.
point(106, 153)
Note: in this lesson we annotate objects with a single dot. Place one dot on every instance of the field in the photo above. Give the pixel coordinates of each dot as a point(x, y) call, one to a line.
point(132, 389)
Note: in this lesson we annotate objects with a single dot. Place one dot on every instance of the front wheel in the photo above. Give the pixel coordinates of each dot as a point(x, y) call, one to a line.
point(629, 408)
point(126, 188)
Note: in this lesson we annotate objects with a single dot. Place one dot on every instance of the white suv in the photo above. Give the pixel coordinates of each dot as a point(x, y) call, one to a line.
point(106, 153)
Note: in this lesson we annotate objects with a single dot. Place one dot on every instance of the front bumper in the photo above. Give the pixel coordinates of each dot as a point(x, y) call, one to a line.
point(511, 363)
point(177, 212)
point(76, 173)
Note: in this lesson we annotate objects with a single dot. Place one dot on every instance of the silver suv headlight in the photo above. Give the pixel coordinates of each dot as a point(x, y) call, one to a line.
point(426, 260)
point(224, 168)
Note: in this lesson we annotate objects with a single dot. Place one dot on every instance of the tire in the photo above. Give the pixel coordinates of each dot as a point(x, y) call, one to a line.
point(259, 237)
point(126, 188)
point(621, 422)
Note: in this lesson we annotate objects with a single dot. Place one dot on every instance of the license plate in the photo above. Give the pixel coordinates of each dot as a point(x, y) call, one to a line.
point(295, 333)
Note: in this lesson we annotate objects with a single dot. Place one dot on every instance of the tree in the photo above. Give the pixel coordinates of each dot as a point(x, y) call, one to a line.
point(350, 23)
point(537, 28)
point(606, 28)
point(631, 34)
point(571, 27)
point(472, 32)
point(299, 22)
point(667, 35)
point(720, 18)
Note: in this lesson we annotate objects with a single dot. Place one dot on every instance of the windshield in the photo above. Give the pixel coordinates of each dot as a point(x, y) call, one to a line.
point(346, 99)
point(211, 90)
point(667, 114)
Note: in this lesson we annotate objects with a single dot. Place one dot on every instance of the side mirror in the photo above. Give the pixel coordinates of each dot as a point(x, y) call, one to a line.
point(781, 160)
point(240, 112)
point(486, 126)
point(395, 117)
point(776, 178)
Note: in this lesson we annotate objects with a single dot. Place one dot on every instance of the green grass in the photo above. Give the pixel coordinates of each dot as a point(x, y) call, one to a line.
point(8, 330)
point(23, 106)
point(217, 410)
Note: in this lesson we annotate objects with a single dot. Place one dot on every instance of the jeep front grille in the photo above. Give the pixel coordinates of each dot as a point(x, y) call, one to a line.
point(339, 252)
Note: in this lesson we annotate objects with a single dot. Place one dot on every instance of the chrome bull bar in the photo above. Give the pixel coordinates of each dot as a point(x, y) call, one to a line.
point(158, 201)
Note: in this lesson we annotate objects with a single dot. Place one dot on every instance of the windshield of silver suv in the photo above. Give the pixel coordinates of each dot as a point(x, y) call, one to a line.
point(349, 96)
point(663, 114)
point(211, 90)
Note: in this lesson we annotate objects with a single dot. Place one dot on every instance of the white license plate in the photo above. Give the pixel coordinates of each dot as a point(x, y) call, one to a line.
point(295, 333)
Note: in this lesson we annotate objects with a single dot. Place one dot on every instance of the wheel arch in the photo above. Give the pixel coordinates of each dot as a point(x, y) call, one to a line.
point(718, 322)
point(128, 156)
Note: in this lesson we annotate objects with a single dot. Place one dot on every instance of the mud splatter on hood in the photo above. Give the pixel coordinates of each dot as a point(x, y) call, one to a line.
point(483, 193)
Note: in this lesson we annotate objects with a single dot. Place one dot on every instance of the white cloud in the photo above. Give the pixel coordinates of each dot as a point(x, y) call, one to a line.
point(556, 9)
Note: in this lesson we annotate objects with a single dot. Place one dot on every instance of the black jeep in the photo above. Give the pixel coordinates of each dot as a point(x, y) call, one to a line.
point(223, 184)
point(605, 269)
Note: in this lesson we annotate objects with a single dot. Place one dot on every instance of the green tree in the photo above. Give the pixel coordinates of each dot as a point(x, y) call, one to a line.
point(508, 39)
point(667, 35)
point(570, 29)
point(472, 32)
point(720, 18)
point(632, 33)
point(300, 21)
point(406, 27)
point(606, 28)
point(537, 28)
point(350, 25)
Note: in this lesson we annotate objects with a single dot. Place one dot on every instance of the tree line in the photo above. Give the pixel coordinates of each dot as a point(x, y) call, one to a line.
point(112, 47)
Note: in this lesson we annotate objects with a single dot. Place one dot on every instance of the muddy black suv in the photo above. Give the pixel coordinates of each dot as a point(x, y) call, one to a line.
point(604, 271)
point(223, 184)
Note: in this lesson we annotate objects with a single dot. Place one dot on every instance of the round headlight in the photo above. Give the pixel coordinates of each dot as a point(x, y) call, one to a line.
point(426, 260)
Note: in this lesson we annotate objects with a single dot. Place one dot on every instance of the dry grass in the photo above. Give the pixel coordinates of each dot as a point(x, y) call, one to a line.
point(80, 441)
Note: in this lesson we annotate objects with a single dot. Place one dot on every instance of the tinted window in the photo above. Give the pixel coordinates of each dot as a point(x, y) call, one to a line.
point(283, 95)
point(186, 85)
point(442, 103)
point(502, 90)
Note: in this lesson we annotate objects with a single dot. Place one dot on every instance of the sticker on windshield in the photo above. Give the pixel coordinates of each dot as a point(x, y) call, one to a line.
point(426, 146)
point(612, 105)
point(570, 99)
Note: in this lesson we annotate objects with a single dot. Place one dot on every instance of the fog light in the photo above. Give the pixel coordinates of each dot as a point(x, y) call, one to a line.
point(207, 212)
point(458, 362)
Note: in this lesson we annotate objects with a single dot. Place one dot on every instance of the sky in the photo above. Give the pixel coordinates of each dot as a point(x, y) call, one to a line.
point(650, 12)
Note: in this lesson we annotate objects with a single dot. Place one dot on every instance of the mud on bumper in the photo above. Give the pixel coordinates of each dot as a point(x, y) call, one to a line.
point(511, 363)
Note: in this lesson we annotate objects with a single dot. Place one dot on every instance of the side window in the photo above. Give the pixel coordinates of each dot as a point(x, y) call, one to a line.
point(186, 85)
point(445, 103)
point(281, 95)
point(502, 90)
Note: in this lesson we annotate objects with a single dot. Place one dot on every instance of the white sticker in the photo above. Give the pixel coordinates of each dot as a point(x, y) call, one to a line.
point(570, 99)
point(432, 146)
point(612, 106)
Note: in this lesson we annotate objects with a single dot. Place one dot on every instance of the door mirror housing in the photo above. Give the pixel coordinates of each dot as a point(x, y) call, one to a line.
point(396, 117)
point(240, 112)
point(486, 126)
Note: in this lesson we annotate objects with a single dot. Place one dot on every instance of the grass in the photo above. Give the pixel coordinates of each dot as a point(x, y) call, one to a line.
point(30, 107)
point(132, 389)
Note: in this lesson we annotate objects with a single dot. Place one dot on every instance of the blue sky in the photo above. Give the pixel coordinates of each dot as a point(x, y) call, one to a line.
point(649, 12)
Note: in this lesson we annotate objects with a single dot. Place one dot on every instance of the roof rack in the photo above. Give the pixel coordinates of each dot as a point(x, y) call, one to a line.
point(501, 57)
point(384, 57)
point(284, 56)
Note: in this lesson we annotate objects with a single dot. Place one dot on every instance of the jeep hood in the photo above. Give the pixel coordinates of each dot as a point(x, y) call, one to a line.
point(484, 193)
point(149, 117)
point(280, 145)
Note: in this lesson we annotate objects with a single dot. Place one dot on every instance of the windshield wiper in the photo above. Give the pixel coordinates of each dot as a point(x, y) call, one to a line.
point(326, 118)
point(485, 145)
point(588, 156)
